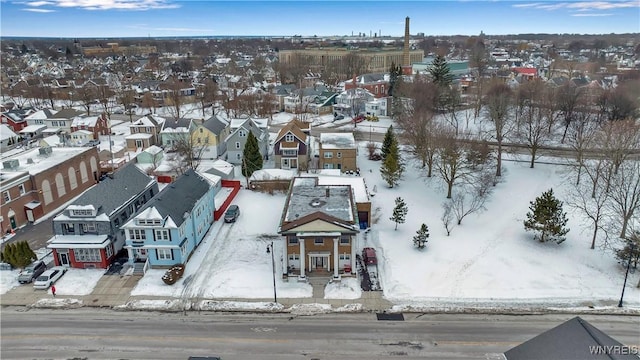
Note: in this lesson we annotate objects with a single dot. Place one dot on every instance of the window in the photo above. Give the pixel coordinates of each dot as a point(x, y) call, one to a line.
point(5, 196)
point(109, 250)
point(237, 145)
point(288, 138)
point(345, 257)
point(87, 255)
point(339, 155)
point(344, 240)
point(137, 234)
point(294, 257)
point(318, 241)
point(89, 227)
point(164, 254)
point(242, 133)
point(293, 240)
point(199, 141)
point(201, 130)
point(21, 189)
point(328, 154)
point(162, 235)
point(68, 228)
point(82, 212)
point(238, 156)
point(289, 152)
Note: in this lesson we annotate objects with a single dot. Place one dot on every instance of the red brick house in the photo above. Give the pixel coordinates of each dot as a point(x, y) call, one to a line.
point(377, 84)
point(98, 125)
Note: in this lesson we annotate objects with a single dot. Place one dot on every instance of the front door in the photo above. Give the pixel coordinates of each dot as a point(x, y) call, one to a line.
point(141, 254)
point(63, 258)
point(12, 220)
point(30, 215)
point(321, 262)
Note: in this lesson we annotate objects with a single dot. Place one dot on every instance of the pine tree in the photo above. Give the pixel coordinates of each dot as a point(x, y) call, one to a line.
point(251, 157)
point(8, 254)
point(394, 74)
point(420, 239)
point(387, 142)
point(440, 73)
point(392, 166)
point(547, 218)
point(399, 212)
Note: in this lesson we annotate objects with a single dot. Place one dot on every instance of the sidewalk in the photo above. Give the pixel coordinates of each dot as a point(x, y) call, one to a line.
point(113, 291)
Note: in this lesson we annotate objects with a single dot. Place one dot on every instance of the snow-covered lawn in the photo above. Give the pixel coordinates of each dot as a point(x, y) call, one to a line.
point(8, 280)
point(489, 258)
point(78, 281)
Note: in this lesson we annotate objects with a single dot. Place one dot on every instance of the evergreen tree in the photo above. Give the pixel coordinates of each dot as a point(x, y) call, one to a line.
point(394, 74)
point(440, 73)
point(399, 212)
point(251, 157)
point(391, 169)
point(631, 251)
point(389, 139)
point(420, 239)
point(8, 254)
point(547, 218)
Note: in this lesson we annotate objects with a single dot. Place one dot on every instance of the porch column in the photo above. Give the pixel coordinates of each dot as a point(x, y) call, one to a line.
point(285, 257)
point(302, 258)
point(336, 256)
point(353, 254)
point(130, 255)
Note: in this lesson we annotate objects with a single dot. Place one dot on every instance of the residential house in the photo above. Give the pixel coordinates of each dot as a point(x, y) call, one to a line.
point(281, 92)
point(210, 134)
point(176, 131)
point(88, 232)
point(376, 84)
point(7, 137)
point(319, 225)
point(33, 132)
point(38, 117)
point(168, 228)
point(96, 125)
point(53, 140)
point(236, 140)
point(291, 146)
point(145, 132)
point(79, 137)
point(56, 175)
point(15, 118)
point(62, 120)
point(150, 157)
point(337, 151)
point(352, 101)
point(223, 169)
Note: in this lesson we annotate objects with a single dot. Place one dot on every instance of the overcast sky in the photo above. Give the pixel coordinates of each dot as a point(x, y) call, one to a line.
point(136, 18)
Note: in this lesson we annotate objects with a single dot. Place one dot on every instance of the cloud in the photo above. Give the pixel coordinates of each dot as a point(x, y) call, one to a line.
point(38, 10)
point(581, 5)
point(105, 4)
point(590, 14)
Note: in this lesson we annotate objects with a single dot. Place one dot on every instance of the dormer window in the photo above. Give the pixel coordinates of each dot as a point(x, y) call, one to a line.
point(288, 138)
point(150, 222)
point(82, 213)
point(242, 133)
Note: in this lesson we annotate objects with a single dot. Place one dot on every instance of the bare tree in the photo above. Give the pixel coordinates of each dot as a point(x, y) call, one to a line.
point(454, 163)
point(473, 196)
point(569, 100)
point(624, 191)
point(447, 216)
point(207, 94)
point(173, 87)
point(189, 149)
point(478, 60)
point(580, 138)
point(498, 106)
point(533, 124)
point(87, 95)
point(591, 204)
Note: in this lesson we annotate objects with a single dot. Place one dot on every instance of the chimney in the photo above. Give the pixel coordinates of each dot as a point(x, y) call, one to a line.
point(406, 58)
point(327, 192)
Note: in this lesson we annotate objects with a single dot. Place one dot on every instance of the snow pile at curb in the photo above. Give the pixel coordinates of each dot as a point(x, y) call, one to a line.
point(157, 305)
point(213, 305)
point(349, 308)
point(455, 308)
point(58, 303)
point(310, 309)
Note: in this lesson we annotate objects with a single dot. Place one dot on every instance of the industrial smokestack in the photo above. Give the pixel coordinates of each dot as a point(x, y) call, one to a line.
point(406, 59)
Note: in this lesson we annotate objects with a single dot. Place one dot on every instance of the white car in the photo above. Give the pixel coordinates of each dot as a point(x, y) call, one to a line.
point(49, 277)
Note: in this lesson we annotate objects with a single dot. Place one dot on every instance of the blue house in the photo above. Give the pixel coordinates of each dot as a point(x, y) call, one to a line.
point(167, 229)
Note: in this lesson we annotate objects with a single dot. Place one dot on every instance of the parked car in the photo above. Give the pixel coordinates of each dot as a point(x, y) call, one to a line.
point(358, 118)
point(92, 143)
point(231, 214)
point(32, 272)
point(49, 277)
point(338, 117)
point(369, 256)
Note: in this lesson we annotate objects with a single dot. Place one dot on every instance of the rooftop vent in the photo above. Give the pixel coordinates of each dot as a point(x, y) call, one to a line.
point(45, 151)
point(317, 203)
point(10, 164)
point(29, 161)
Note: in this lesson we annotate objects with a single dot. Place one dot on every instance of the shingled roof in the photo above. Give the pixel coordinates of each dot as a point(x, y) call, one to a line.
point(180, 197)
point(115, 191)
point(574, 339)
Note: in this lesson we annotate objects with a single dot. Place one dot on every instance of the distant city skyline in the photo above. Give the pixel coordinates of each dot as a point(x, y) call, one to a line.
point(165, 18)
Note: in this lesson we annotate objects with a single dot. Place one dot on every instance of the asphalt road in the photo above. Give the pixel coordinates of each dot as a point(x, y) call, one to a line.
point(105, 334)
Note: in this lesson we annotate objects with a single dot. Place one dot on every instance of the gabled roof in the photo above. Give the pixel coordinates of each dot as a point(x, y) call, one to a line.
point(571, 340)
point(292, 127)
point(113, 192)
point(177, 124)
point(215, 124)
point(179, 197)
point(85, 121)
point(68, 113)
point(6, 132)
point(149, 120)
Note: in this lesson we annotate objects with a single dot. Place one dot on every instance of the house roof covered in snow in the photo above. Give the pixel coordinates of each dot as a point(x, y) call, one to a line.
point(337, 141)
